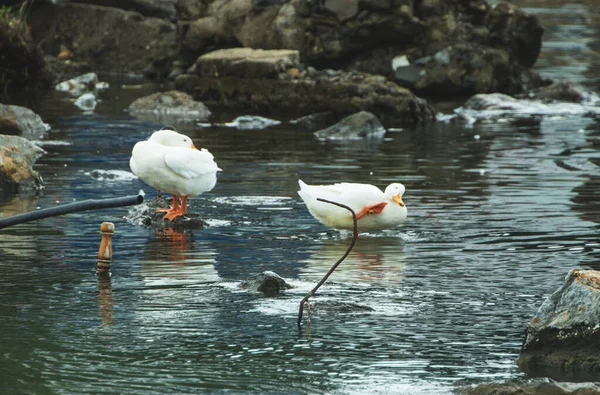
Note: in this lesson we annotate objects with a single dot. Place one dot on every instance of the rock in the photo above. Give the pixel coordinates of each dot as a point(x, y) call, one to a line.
point(86, 102)
point(246, 62)
point(110, 38)
point(404, 71)
point(268, 82)
point(84, 83)
point(497, 105)
point(315, 121)
point(464, 69)
point(201, 33)
point(267, 282)
point(536, 386)
point(190, 9)
point(359, 126)
point(22, 121)
point(145, 214)
point(248, 122)
point(565, 331)
point(156, 8)
point(563, 91)
point(17, 156)
point(343, 9)
point(491, 101)
point(171, 104)
point(517, 31)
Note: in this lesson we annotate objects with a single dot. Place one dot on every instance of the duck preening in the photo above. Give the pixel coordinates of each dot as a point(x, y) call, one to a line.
point(375, 210)
point(168, 161)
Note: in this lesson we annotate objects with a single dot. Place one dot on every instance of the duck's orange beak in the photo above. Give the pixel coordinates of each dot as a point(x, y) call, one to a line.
point(398, 199)
point(194, 147)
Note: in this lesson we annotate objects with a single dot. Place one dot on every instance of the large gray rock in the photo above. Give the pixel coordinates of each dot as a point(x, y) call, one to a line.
point(17, 156)
point(270, 81)
point(360, 126)
point(163, 106)
point(22, 121)
point(565, 331)
point(111, 39)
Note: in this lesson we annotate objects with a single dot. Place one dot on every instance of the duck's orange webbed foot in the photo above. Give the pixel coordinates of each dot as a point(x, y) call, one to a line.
point(175, 206)
point(171, 215)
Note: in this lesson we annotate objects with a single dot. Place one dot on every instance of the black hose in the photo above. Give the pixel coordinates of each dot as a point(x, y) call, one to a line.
point(92, 204)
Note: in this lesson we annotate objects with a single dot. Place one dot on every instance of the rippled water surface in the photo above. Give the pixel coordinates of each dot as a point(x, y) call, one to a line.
point(498, 214)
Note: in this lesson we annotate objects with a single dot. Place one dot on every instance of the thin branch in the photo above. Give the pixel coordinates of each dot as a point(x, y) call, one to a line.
point(354, 237)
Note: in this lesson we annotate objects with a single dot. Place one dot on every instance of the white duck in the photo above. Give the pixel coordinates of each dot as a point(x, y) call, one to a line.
point(375, 210)
point(169, 162)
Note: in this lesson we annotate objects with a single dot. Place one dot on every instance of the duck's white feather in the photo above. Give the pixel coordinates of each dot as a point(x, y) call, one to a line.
point(190, 163)
point(357, 197)
point(175, 168)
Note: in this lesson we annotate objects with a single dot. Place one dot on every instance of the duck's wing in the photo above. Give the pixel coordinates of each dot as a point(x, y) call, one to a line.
point(190, 163)
point(359, 197)
point(344, 191)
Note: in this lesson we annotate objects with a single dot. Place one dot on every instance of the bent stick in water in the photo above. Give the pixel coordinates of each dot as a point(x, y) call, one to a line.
point(354, 237)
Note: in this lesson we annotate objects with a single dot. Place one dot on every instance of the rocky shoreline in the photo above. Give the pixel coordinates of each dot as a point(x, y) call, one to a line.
point(341, 56)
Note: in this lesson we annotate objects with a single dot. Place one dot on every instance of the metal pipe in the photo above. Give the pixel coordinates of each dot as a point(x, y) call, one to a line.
point(92, 204)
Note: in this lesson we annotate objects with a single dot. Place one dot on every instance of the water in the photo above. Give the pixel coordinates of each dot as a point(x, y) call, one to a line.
point(498, 214)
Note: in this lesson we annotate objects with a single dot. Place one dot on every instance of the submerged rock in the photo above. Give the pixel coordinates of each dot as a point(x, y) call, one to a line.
point(267, 282)
point(360, 126)
point(145, 214)
point(171, 104)
point(22, 121)
point(498, 105)
point(565, 331)
point(17, 156)
point(316, 120)
point(246, 122)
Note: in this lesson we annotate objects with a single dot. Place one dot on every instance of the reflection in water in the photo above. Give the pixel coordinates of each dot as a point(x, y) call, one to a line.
point(371, 260)
point(105, 298)
point(176, 258)
point(13, 205)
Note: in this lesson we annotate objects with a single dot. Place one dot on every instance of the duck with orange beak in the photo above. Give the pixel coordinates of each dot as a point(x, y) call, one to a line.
point(375, 210)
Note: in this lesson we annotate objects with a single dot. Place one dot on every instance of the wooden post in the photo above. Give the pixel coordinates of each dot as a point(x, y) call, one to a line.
point(107, 230)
